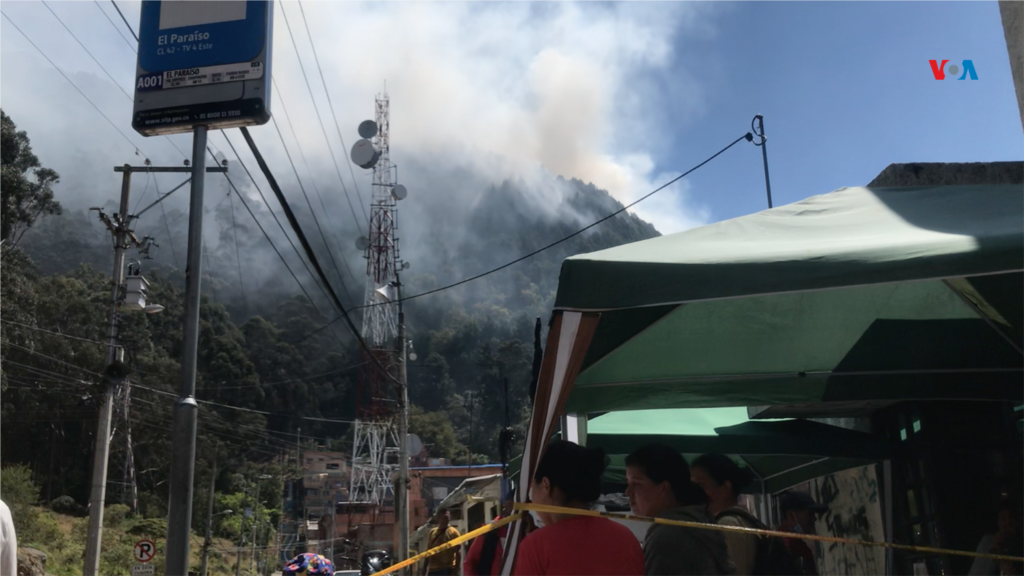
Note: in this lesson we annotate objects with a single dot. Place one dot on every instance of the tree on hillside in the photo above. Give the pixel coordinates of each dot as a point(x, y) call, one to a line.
point(25, 186)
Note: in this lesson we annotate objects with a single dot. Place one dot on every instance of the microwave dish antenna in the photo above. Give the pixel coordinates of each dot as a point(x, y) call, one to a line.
point(364, 154)
point(367, 129)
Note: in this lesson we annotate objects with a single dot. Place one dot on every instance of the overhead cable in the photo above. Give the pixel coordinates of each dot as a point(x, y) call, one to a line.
point(267, 236)
point(68, 336)
point(125, 20)
point(242, 409)
point(312, 211)
point(274, 215)
point(86, 50)
point(309, 251)
point(330, 105)
point(75, 86)
point(98, 63)
point(121, 34)
point(746, 136)
point(316, 109)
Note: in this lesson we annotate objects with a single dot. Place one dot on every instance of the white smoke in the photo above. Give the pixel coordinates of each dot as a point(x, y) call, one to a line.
point(496, 90)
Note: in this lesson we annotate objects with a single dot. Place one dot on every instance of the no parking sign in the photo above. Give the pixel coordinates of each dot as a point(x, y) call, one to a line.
point(144, 550)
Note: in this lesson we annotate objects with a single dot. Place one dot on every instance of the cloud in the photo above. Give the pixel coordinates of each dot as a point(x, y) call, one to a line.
point(498, 90)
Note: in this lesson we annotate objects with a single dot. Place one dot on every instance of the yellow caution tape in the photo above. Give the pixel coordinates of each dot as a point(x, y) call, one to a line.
point(685, 524)
point(758, 531)
point(451, 544)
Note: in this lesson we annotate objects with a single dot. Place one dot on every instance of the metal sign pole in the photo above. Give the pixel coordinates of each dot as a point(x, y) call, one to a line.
point(179, 523)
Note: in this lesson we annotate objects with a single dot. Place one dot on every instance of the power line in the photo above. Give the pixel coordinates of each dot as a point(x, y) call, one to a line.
point(267, 236)
point(149, 180)
point(59, 361)
point(125, 20)
point(241, 409)
point(63, 379)
point(121, 34)
point(53, 376)
point(238, 259)
point(105, 117)
point(265, 384)
point(170, 239)
point(209, 267)
point(316, 189)
point(330, 105)
point(309, 250)
point(746, 136)
point(311, 210)
point(316, 108)
point(109, 75)
point(68, 336)
point(278, 221)
point(98, 63)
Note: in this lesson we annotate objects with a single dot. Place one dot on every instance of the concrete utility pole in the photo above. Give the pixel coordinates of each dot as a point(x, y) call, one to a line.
point(115, 355)
point(124, 237)
point(402, 491)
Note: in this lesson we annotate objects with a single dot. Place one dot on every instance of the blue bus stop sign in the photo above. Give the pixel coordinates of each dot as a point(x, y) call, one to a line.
point(202, 63)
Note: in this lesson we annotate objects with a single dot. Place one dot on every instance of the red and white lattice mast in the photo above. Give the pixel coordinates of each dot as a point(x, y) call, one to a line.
point(375, 444)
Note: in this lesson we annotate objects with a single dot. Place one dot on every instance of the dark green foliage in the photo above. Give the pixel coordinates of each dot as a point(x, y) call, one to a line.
point(25, 186)
point(67, 505)
point(256, 352)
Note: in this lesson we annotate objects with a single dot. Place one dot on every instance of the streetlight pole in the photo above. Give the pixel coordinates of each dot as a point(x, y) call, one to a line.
point(209, 516)
point(241, 533)
point(256, 518)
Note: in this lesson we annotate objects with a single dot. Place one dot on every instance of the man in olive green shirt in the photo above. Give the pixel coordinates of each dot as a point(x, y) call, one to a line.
point(448, 562)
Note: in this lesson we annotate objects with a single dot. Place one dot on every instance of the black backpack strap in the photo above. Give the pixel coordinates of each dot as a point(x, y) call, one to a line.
point(741, 513)
point(487, 554)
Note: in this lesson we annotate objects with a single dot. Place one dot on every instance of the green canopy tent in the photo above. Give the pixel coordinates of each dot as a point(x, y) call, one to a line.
point(860, 295)
point(780, 453)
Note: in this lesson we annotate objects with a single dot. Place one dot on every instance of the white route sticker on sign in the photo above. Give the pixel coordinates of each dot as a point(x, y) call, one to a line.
point(200, 76)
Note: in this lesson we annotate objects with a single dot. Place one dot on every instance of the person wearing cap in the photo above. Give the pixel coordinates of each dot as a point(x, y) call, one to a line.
point(798, 514)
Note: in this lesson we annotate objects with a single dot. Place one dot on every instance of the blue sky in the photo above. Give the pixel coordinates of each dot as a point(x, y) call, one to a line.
point(846, 89)
point(622, 95)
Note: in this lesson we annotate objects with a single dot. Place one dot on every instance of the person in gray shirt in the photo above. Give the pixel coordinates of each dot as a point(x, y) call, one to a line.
point(658, 485)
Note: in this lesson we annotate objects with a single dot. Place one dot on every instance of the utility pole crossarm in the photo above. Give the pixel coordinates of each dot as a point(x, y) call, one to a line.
point(179, 169)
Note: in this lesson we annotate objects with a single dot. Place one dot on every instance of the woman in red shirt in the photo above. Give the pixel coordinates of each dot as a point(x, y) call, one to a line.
point(484, 555)
point(569, 476)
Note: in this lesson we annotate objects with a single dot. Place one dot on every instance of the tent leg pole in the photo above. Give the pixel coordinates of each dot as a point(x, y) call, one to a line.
point(574, 428)
point(887, 473)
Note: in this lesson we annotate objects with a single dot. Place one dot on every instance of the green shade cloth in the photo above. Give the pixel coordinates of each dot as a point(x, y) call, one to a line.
point(781, 453)
point(859, 295)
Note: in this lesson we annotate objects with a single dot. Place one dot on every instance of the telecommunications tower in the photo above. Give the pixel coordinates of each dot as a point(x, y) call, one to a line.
point(375, 445)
